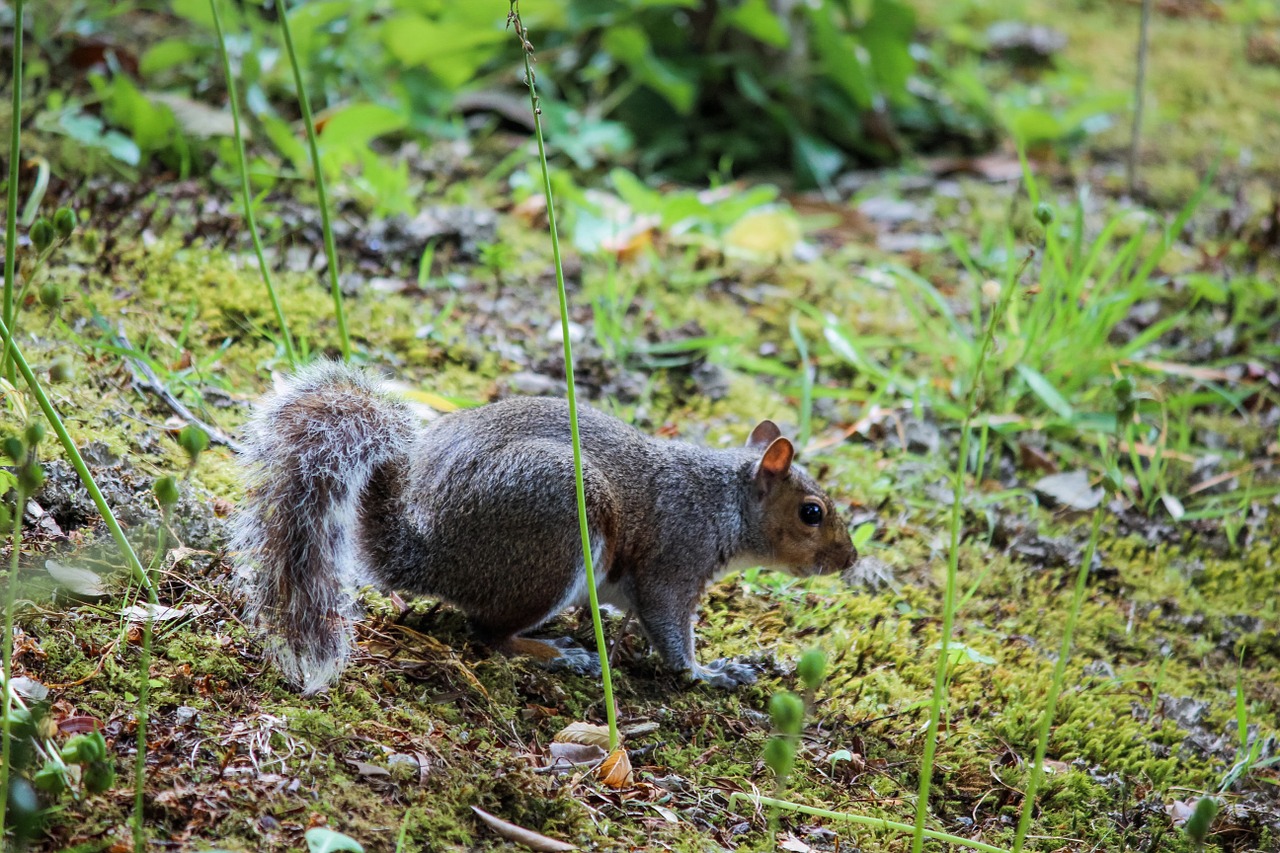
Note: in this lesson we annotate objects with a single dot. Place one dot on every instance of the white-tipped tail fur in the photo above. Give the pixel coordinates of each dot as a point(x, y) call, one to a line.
point(310, 450)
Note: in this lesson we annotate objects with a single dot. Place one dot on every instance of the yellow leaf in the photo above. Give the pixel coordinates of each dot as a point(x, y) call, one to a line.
point(771, 233)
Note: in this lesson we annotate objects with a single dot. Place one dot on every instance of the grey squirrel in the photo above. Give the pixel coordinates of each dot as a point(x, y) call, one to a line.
point(348, 487)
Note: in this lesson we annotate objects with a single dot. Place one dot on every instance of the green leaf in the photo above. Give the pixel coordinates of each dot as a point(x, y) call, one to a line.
point(322, 840)
point(838, 54)
point(756, 19)
point(887, 37)
point(166, 54)
point(452, 51)
point(630, 46)
point(1045, 391)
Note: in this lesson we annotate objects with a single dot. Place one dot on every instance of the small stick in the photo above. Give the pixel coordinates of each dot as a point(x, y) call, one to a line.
point(1138, 88)
point(145, 380)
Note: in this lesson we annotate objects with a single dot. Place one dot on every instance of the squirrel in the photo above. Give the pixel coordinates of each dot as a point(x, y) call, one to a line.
point(478, 508)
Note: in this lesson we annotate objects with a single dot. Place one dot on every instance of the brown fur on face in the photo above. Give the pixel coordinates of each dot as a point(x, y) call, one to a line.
point(799, 546)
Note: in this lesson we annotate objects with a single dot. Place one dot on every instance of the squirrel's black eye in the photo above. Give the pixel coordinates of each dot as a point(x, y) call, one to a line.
point(811, 513)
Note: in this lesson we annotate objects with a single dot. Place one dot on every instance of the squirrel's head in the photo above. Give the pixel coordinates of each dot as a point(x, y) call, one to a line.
point(804, 531)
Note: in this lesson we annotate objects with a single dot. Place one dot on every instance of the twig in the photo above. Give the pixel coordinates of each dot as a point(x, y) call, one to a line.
point(145, 380)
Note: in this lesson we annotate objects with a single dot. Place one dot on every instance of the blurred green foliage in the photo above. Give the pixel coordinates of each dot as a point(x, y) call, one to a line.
point(685, 87)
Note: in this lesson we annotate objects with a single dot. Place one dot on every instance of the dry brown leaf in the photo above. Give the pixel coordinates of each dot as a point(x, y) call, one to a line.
point(575, 754)
point(584, 733)
point(616, 770)
point(519, 835)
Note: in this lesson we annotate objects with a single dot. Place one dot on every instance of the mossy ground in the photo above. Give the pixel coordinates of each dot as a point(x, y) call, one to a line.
point(426, 723)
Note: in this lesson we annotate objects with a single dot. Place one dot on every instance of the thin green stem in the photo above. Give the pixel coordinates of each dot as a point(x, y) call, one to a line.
point(245, 192)
point(330, 250)
point(1055, 686)
point(10, 595)
point(144, 691)
point(579, 489)
point(953, 562)
point(11, 206)
point(862, 820)
point(73, 456)
point(108, 517)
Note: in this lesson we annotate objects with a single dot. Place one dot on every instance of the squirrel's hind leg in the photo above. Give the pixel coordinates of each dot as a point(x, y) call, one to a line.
point(562, 653)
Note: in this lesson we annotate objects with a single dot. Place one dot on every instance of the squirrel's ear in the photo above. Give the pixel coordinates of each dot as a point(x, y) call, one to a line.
point(776, 462)
point(764, 434)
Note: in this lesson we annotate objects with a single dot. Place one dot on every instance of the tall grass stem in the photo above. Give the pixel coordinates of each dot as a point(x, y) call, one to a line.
point(10, 595)
point(322, 198)
point(602, 649)
point(1139, 96)
point(863, 820)
point(11, 204)
point(953, 557)
point(1055, 685)
point(245, 193)
point(144, 688)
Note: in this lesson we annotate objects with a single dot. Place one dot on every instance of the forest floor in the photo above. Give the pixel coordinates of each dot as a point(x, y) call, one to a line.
point(696, 332)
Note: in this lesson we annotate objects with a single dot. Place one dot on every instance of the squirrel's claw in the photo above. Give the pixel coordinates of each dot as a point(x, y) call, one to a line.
point(573, 658)
point(725, 673)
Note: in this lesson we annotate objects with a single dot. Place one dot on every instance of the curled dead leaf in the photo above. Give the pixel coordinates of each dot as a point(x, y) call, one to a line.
point(584, 733)
point(616, 770)
point(568, 755)
point(519, 835)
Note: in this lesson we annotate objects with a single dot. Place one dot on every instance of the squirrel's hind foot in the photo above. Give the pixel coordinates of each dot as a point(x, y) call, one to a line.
point(573, 658)
point(563, 654)
point(725, 673)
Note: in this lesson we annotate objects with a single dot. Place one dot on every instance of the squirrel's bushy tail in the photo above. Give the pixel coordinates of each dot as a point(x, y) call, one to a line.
point(311, 448)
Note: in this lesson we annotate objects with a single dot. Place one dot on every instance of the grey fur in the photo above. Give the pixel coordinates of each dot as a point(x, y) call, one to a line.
point(478, 508)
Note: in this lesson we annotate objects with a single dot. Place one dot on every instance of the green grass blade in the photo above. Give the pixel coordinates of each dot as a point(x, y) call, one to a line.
point(602, 648)
point(11, 206)
point(863, 820)
point(245, 193)
point(10, 595)
point(953, 559)
point(1055, 685)
point(322, 199)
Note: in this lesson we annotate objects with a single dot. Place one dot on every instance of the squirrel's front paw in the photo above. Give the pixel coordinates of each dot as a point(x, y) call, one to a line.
point(573, 658)
point(725, 673)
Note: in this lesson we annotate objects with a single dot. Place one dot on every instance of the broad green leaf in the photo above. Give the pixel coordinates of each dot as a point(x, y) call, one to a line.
point(756, 19)
point(166, 54)
point(887, 37)
point(838, 54)
point(453, 52)
point(323, 840)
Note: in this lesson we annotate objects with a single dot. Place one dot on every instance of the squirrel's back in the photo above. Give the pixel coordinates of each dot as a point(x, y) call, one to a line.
point(310, 449)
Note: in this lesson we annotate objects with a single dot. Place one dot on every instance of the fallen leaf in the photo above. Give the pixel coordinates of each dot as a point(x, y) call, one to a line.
point(366, 769)
point(795, 845)
point(616, 770)
point(160, 613)
point(519, 835)
point(79, 581)
point(1070, 489)
point(196, 118)
point(585, 733)
point(575, 754)
point(29, 688)
point(1174, 506)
